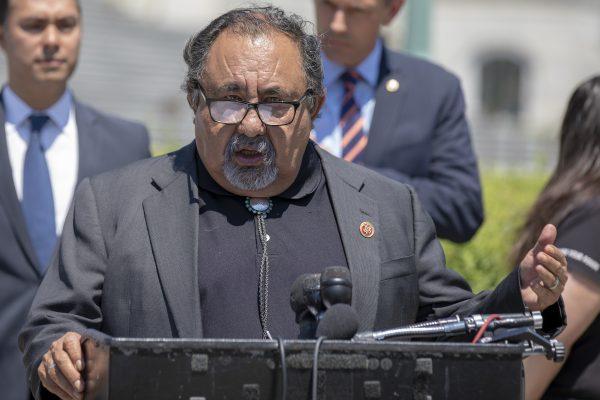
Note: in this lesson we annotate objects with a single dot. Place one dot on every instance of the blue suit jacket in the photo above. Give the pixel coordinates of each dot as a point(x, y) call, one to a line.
point(419, 136)
point(104, 143)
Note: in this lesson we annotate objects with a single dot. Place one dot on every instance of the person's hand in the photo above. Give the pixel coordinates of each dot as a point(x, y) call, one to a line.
point(543, 272)
point(61, 368)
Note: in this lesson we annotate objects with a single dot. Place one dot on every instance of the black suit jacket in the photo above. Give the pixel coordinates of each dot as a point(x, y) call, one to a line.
point(419, 136)
point(104, 143)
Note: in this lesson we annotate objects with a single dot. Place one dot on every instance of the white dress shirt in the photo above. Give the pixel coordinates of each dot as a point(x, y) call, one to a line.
point(59, 137)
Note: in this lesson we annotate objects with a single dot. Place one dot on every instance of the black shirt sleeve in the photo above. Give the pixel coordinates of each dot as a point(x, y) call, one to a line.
point(579, 238)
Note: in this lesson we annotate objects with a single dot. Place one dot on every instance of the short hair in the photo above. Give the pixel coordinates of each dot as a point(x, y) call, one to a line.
point(254, 21)
point(5, 8)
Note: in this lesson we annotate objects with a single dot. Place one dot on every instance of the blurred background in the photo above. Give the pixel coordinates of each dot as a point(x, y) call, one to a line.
point(518, 61)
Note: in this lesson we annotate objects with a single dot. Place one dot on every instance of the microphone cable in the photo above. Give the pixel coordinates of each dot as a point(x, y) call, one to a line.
point(315, 371)
point(284, 378)
point(484, 327)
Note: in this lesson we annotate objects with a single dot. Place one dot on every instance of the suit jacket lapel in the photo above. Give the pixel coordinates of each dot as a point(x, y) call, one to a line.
point(172, 221)
point(351, 209)
point(387, 107)
point(10, 202)
point(87, 141)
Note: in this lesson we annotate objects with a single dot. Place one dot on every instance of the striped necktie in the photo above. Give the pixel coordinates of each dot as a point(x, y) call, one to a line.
point(37, 202)
point(351, 122)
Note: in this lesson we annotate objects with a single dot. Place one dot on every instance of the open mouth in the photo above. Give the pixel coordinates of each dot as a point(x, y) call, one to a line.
point(248, 157)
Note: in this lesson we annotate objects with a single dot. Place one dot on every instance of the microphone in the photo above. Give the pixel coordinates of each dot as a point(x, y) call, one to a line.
point(456, 326)
point(297, 295)
point(304, 317)
point(312, 295)
point(336, 286)
point(340, 322)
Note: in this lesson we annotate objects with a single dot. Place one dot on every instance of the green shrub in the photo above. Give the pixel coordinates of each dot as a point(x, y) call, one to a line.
point(507, 197)
point(159, 148)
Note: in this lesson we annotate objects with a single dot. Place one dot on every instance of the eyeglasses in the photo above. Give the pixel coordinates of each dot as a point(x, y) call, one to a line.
point(272, 113)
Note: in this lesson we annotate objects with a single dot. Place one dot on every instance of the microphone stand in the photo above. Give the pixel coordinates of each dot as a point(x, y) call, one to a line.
point(511, 328)
point(456, 326)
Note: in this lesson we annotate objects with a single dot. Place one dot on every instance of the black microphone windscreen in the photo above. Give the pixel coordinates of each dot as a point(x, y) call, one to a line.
point(340, 322)
point(311, 282)
point(297, 301)
point(336, 273)
point(336, 286)
point(312, 293)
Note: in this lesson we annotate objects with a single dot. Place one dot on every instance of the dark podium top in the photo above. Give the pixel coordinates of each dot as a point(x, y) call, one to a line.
point(204, 369)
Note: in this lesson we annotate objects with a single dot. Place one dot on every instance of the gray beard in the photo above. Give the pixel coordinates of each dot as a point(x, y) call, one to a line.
point(250, 178)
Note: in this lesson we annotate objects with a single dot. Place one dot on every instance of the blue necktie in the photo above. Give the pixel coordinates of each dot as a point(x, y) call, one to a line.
point(37, 203)
point(354, 139)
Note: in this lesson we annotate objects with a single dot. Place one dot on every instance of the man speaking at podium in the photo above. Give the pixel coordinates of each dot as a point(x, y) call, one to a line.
point(207, 241)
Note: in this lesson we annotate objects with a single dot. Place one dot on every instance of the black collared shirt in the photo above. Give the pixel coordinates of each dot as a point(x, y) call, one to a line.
point(304, 238)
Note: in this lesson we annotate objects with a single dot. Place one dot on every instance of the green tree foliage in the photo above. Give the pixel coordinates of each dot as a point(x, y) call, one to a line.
point(507, 197)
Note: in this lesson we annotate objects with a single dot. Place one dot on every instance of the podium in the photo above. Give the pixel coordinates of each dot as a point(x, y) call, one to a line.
point(205, 369)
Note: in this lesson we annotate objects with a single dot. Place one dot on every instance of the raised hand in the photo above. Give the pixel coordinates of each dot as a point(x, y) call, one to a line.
point(543, 272)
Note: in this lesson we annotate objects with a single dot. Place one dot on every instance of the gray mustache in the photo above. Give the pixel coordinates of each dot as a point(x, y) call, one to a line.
point(250, 178)
point(259, 144)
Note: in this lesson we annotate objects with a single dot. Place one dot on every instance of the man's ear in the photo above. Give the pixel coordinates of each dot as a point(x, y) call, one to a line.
point(392, 10)
point(319, 103)
point(192, 101)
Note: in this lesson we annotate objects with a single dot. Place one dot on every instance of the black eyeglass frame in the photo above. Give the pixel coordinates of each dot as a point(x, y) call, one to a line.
point(295, 104)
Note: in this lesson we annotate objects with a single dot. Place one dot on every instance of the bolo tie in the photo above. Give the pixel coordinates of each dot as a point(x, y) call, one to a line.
point(260, 207)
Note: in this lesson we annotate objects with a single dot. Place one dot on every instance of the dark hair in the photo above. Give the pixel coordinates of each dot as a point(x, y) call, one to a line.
point(254, 21)
point(5, 8)
point(576, 178)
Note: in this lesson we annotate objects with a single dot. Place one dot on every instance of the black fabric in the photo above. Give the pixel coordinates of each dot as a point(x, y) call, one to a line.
point(578, 237)
point(303, 238)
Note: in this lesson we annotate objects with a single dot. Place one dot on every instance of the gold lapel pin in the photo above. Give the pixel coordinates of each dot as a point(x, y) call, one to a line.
point(367, 229)
point(392, 85)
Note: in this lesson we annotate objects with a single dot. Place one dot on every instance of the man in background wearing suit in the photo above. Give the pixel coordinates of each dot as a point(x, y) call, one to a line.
point(48, 143)
point(396, 114)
